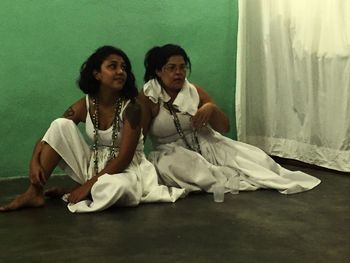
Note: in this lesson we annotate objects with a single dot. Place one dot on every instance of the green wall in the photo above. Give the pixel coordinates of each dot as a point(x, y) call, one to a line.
point(44, 42)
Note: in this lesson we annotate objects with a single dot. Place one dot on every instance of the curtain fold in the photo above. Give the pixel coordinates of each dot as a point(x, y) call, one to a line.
point(293, 79)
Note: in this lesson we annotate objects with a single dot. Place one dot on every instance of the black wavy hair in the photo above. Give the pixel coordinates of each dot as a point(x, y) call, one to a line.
point(89, 85)
point(157, 57)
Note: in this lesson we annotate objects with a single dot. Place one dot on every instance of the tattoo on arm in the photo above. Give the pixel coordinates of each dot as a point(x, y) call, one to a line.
point(133, 114)
point(69, 113)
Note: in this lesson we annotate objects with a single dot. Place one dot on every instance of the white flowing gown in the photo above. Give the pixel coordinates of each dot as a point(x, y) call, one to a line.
point(221, 159)
point(138, 183)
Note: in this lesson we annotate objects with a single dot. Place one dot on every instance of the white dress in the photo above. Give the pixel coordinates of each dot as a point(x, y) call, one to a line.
point(138, 183)
point(222, 158)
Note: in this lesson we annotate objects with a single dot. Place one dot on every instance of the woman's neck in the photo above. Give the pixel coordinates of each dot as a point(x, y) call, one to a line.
point(107, 98)
point(172, 94)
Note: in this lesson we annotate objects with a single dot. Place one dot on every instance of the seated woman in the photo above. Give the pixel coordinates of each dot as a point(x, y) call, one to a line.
point(114, 171)
point(184, 125)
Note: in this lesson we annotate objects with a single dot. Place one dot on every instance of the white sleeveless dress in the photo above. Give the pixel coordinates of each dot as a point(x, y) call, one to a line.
point(138, 183)
point(221, 159)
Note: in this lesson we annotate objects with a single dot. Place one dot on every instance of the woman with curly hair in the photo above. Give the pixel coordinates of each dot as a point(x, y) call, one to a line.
point(113, 170)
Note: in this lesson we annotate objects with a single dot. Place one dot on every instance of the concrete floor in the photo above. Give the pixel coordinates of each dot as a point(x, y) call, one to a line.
point(260, 226)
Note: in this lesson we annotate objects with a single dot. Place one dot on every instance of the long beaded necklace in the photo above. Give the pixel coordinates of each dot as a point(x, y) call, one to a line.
point(115, 130)
point(197, 147)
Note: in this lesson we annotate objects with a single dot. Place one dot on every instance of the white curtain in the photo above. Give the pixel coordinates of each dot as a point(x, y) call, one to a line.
point(293, 79)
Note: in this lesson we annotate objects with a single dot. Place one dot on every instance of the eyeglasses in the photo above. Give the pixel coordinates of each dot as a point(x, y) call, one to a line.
point(171, 68)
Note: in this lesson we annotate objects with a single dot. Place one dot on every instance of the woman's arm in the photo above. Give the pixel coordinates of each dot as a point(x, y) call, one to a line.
point(209, 113)
point(36, 172)
point(77, 111)
point(149, 110)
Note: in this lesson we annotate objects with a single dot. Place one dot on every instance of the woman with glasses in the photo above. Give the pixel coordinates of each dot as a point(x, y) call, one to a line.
point(185, 127)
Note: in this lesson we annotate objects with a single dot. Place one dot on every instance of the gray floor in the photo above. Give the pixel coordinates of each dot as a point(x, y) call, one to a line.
point(260, 226)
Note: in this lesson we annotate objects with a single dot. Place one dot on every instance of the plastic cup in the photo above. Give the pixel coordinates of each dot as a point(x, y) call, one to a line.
point(234, 185)
point(219, 193)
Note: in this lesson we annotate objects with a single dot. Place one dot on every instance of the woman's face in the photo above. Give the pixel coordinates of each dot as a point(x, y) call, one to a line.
point(173, 73)
point(112, 73)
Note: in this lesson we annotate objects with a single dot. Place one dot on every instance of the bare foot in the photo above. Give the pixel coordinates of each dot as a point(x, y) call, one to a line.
point(56, 192)
point(29, 198)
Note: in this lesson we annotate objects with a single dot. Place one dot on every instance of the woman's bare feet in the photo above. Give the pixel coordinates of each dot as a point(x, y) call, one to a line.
point(31, 198)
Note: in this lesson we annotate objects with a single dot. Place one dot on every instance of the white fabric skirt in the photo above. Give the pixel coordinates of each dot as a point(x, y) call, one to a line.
point(222, 159)
point(138, 183)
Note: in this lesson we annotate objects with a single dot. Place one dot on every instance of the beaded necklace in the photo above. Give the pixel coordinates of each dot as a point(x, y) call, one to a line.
point(115, 130)
point(197, 147)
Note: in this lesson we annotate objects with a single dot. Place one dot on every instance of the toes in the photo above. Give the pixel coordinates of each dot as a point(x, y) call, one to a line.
point(6, 208)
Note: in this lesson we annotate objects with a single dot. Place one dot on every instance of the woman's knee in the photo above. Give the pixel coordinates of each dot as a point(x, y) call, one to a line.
point(62, 123)
point(62, 126)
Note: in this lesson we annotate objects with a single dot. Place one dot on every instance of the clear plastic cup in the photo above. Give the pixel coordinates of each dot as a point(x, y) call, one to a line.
point(234, 184)
point(219, 193)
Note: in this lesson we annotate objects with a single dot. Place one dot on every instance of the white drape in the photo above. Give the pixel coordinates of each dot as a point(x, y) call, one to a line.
point(293, 79)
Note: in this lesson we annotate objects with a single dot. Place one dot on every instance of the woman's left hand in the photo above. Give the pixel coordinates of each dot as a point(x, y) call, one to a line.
point(202, 117)
point(80, 193)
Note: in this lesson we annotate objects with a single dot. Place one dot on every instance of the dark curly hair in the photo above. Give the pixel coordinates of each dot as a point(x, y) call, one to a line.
point(87, 82)
point(157, 57)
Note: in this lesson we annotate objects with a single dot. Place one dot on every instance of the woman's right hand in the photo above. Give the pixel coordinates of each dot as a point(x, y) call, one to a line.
point(37, 174)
